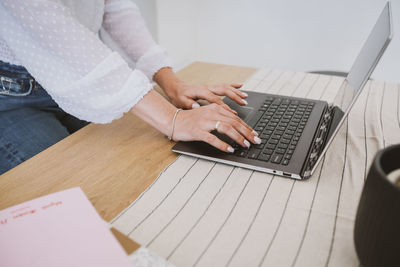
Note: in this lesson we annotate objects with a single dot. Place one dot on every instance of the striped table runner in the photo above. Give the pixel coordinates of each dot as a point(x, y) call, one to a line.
point(201, 213)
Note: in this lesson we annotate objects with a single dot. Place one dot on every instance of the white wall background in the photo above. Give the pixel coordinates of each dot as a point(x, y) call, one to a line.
point(286, 34)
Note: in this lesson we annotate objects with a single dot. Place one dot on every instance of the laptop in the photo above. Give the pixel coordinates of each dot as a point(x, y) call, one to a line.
point(296, 132)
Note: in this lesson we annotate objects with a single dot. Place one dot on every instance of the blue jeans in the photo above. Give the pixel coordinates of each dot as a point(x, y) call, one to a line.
point(30, 120)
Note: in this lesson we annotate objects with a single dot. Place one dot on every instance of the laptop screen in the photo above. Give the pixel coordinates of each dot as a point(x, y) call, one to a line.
point(366, 61)
point(361, 70)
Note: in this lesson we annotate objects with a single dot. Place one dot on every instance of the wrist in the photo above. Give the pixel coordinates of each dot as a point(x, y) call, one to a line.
point(171, 136)
point(168, 81)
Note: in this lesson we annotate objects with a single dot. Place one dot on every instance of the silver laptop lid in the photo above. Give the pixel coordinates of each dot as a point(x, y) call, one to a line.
point(362, 68)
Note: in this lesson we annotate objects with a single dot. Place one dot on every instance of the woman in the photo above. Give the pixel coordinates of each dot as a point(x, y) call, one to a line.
point(96, 60)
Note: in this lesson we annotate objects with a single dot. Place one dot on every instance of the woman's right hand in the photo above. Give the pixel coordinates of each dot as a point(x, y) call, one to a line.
point(196, 125)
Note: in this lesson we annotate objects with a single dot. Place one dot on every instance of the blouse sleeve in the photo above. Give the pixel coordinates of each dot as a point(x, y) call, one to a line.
point(124, 23)
point(81, 74)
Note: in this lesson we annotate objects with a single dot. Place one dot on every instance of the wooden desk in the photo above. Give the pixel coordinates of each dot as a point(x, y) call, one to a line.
point(112, 163)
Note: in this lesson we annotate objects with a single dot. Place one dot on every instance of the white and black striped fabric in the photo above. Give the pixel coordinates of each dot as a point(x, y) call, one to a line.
point(201, 213)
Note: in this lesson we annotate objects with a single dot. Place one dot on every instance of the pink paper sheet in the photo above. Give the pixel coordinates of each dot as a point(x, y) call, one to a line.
point(61, 229)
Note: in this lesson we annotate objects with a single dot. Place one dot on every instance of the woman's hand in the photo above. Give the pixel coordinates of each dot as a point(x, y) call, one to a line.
point(183, 95)
point(196, 125)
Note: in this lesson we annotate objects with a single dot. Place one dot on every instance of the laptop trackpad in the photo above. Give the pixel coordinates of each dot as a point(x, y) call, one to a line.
point(243, 112)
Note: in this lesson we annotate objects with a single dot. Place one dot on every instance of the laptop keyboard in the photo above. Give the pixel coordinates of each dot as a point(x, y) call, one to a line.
point(279, 123)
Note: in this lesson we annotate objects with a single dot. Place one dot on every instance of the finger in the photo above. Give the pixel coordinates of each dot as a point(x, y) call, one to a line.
point(232, 93)
point(240, 93)
point(189, 103)
point(232, 118)
point(245, 131)
point(229, 130)
point(236, 85)
point(216, 142)
point(212, 98)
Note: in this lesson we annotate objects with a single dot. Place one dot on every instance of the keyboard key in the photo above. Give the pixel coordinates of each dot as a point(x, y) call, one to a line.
point(253, 154)
point(264, 141)
point(271, 146)
point(276, 158)
point(276, 101)
point(266, 131)
point(273, 141)
point(242, 153)
point(280, 151)
point(276, 136)
point(264, 136)
point(282, 145)
point(287, 136)
point(259, 146)
point(285, 162)
point(268, 151)
point(264, 157)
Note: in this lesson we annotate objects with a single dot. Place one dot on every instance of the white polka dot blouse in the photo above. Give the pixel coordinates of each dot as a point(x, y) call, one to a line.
point(95, 58)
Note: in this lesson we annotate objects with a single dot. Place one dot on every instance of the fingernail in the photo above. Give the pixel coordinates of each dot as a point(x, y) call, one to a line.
point(195, 105)
point(257, 140)
point(255, 133)
point(246, 143)
point(230, 149)
point(244, 102)
point(244, 94)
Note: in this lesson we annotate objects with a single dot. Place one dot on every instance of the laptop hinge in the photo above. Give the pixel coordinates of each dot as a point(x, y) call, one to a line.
point(319, 140)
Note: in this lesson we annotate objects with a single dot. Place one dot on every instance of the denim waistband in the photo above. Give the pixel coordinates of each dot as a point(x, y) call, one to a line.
point(16, 80)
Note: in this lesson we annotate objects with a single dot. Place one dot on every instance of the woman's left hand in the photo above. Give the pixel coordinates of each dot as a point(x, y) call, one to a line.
point(185, 96)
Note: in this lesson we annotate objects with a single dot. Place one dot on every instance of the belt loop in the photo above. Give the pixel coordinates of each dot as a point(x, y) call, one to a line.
point(36, 85)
